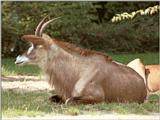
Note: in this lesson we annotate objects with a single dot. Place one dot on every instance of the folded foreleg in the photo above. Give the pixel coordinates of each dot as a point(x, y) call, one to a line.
point(94, 93)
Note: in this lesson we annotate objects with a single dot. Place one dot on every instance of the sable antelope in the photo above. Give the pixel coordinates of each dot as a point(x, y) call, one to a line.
point(153, 77)
point(80, 75)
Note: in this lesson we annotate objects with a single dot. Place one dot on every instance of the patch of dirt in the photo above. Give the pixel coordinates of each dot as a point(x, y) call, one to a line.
point(21, 78)
point(28, 83)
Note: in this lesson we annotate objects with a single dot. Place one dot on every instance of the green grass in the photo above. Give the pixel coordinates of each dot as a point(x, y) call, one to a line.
point(19, 103)
point(9, 68)
point(147, 58)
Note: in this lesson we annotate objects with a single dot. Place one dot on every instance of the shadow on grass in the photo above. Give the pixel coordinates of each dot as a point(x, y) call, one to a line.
point(19, 103)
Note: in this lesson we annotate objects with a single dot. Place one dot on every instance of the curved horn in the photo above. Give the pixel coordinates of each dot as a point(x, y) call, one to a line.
point(39, 26)
point(45, 24)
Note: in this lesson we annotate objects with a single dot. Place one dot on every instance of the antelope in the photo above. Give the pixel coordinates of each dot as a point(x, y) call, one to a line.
point(150, 74)
point(81, 75)
point(139, 67)
point(153, 77)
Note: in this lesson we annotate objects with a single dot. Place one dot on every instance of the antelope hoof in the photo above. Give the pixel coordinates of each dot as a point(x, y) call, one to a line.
point(68, 100)
point(55, 98)
point(72, 100)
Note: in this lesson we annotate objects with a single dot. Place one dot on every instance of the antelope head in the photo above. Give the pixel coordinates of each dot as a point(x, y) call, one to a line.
point(40, 45)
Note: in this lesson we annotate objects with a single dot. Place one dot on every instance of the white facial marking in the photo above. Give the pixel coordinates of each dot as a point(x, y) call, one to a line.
point(21, 59)
point(30, 49)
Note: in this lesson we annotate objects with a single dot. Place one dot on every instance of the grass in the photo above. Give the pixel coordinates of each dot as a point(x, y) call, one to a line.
point(9, 68)
point(19, 103)
point(147, 58)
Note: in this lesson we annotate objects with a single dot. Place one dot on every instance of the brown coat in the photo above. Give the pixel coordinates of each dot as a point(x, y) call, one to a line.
point(102, 80)
point(88, 75)
point(153, 77)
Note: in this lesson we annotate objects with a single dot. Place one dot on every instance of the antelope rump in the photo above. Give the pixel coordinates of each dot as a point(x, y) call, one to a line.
point(153, 77)
point(150, 74)
point(81, 75)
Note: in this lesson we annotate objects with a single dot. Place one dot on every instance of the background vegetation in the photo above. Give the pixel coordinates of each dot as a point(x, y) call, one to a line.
point(86, 24)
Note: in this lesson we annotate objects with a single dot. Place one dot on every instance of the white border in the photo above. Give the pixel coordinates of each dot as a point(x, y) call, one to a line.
point(103, 117)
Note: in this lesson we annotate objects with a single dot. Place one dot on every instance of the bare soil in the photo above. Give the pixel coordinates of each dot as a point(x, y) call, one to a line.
point(28, 83)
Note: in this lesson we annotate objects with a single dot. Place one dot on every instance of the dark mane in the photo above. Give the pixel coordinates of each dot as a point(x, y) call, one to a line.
point(71, 48)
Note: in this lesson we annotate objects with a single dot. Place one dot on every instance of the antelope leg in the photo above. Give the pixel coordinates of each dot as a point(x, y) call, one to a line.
point(83, 100)
point(93, 93)
point(82, 83)
point(86, 99)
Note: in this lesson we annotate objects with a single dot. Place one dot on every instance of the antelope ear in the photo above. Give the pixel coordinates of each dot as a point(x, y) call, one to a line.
point(47, 38)
point(33, 39)
point(49, 41)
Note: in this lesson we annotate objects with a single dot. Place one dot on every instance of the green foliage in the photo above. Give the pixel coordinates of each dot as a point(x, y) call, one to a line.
point(86, 24)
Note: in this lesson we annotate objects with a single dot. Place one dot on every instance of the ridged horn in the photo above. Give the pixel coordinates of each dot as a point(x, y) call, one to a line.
point(45, 24)
point(39, 26)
